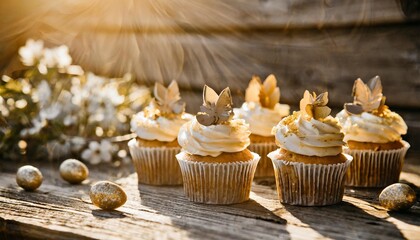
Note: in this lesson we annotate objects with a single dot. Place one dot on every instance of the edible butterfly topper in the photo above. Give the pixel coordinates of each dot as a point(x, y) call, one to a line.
point(367, 97)
point(315, 106)
point(168, 100)
point(216, 109)
point(267, 93)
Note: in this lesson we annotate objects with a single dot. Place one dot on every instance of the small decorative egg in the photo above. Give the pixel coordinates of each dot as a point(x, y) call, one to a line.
point(397, 197)
point(107, 195)
point(73, 171)
point(29, 177)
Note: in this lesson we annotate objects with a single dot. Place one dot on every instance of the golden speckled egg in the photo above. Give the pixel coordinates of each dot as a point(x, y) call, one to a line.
point(29, 177)
point(73, 171)
point(397, 197)
point(107, 195)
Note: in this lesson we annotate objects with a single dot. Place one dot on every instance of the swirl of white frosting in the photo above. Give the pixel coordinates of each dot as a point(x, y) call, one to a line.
point(161, 129)
point(213, 140)
point(261, 120)
point(368, 127)
point(307, 136)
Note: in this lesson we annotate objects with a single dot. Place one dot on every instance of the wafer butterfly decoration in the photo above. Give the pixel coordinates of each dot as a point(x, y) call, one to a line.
point(267, 93)
point(216, 109)
point(315, 106)
point(168, 100)
point(367, 97)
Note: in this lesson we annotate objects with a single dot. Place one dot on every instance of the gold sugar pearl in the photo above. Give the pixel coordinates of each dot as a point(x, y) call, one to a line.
point(397, 197)
point(29, 177)
point(73, 171)
point(107, 195)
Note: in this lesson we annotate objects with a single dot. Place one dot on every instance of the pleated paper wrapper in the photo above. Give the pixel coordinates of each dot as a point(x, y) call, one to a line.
point(265, 166)
point(375, 168)
point(309, 184)
point(218, 183)
point(156, 165)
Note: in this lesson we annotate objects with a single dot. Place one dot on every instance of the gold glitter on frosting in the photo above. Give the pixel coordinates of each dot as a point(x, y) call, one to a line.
point(310, 131)
point(368, 119)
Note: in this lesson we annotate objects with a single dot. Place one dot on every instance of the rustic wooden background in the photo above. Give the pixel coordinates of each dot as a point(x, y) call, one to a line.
point(316, 45)
point(321, 45)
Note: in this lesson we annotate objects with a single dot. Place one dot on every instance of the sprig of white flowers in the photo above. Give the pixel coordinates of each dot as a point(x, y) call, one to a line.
point(54, 109)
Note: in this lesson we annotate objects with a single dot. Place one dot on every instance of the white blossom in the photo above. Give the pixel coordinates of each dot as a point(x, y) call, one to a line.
point(77, 143)
point(70, 120)
point(98, 152)
point(69, 110)
point(75, 70)
point(31, 52)
point(88, 92)
point(37, 125)
point(3, 108)
point(93, 81)
point(125, 157)
point(50, 112)
point(79, 94)
point(104, 113)
point(110, 93)
point(26, 86)
point(56, 57)
point(42, 93)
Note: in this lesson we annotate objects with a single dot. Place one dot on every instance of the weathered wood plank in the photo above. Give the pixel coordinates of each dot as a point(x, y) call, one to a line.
point(326, 59)
point(223, 43)
point(314, 59)
point(62, 211)
point(184, 15)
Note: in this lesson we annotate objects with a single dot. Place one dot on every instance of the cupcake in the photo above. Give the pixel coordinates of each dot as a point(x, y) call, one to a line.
point(309, 166)
point(216, 166)
point(262, 111)
point(373, 136)
point(155, 146)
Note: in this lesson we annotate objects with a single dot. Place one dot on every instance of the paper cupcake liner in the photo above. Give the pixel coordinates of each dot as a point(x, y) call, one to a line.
point(218, 183)
point(265, 166)
point(309, 184)
point(375, 168)
point(156, 165)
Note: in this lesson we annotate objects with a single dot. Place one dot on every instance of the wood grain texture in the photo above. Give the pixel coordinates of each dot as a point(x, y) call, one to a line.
point(58, 210)
point(201, 15)
point(315, 45)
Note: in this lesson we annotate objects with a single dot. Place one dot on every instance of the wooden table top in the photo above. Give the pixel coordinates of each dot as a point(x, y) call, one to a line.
point(58, 210)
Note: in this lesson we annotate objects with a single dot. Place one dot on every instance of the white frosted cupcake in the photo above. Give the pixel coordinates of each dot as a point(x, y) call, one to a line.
point(262, 111)
point(217, 167)
point(373, 136)
point(154, 149)
point(309, 166)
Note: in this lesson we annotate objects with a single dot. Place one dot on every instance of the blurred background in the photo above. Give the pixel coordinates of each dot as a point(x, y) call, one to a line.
point(319, 45)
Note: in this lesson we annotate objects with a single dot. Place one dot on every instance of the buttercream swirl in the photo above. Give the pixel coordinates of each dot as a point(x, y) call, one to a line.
point(212, 140)
point(305, 135)
point(368, 127)
point(158, 128)
point(261, 120)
